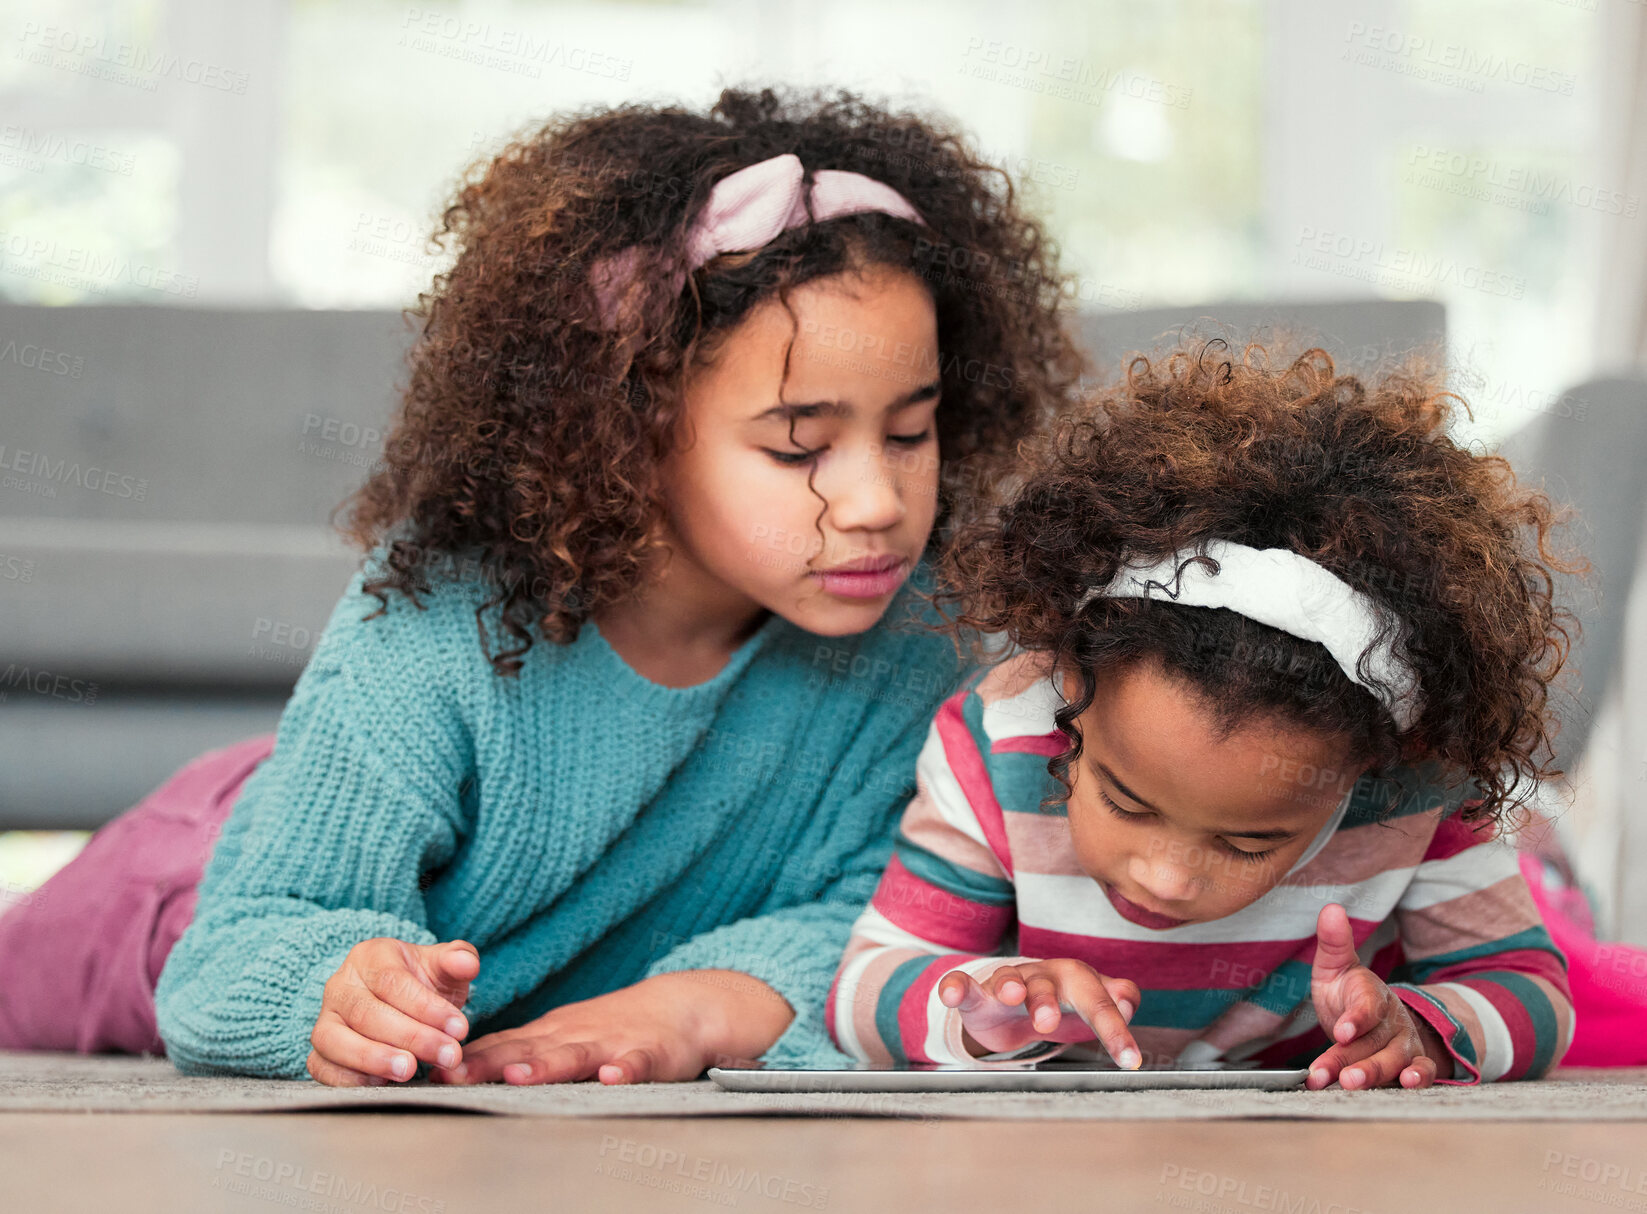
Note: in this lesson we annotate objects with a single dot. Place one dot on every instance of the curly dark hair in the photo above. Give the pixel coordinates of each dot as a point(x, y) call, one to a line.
point(530, 436)
point(1361, 477)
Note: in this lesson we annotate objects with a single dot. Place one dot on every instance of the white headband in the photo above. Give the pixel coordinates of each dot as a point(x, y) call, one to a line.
point(1285, 590)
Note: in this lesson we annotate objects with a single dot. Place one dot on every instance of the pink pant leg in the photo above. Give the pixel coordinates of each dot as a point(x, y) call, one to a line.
point(1608, 981)
point(80, 956)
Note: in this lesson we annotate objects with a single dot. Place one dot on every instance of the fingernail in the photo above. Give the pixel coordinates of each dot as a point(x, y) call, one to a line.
point(1318, 1076)
point(376, 1081)
point(1126, 1008)
point(1349, 1079)
point(401, 1066)
point(517, 1070)
point(461, 1071)
point(448, 1055)
point(1129, 1059)
point(455, 1026)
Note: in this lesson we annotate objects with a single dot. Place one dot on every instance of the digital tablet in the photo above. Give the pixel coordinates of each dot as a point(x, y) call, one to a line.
point(1053, 1075)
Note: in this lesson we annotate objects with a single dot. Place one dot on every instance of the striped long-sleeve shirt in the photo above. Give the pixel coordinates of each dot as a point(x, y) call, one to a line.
point(981, 877)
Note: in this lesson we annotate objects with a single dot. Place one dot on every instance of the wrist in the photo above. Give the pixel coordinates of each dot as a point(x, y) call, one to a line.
point(1434, 1046)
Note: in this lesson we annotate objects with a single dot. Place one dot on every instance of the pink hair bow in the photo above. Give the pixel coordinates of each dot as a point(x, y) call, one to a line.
point(745, 210)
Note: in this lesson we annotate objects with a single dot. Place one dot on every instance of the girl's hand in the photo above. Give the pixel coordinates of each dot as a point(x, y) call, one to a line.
point(1378, 1039)
point(664, 1028)
point(389, 1004)
point(1018, 1004)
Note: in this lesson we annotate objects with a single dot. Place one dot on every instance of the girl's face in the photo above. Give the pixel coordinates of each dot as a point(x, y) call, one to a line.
point(1179, 826)
point(856, 417)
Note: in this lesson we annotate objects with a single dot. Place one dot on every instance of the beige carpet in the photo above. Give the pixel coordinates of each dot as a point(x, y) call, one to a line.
point(61, 1083)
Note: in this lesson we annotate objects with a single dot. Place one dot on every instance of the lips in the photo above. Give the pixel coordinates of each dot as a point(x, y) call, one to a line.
point(869, 577)
point(1133, 913)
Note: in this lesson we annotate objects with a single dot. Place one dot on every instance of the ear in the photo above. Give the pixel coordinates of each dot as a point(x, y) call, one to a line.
point(1068, 684)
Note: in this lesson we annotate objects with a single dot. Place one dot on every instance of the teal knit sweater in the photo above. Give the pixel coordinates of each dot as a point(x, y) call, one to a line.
point(581, 825)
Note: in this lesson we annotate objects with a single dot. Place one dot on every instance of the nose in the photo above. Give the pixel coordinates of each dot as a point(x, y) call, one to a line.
point(1162, 878)
point(865, 491)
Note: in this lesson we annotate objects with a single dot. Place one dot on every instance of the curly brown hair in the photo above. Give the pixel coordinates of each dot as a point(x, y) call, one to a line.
point(1361, 477)
point(530, 436)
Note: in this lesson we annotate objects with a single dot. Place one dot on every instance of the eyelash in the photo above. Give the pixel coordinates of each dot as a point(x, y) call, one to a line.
point(791, 459)
point(1128, 816)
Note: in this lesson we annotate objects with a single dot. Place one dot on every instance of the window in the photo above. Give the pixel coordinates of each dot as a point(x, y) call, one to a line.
point(295, 152)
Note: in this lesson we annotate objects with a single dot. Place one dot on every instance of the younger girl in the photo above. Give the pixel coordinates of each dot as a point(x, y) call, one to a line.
point(606, 800)
point(1279, 678)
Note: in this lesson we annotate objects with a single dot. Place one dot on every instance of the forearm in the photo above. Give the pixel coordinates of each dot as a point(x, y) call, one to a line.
point(1494, 1024)
point(731, 1014)
point(762, 983)
point(1488, 978)
point(241, 991)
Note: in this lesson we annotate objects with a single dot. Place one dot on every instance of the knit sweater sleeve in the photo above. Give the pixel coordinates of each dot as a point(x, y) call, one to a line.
point(325, 846)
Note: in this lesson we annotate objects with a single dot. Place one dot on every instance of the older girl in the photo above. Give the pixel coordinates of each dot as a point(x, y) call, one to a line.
point(677, 444)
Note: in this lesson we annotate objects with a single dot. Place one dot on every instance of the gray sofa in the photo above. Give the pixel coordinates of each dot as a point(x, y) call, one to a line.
point(167, 477)
point(1590, 450)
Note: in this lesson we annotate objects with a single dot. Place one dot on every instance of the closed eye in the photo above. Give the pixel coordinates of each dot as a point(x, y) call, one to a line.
point(1228, 847)
point(790, 459)
point(1117, 810)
